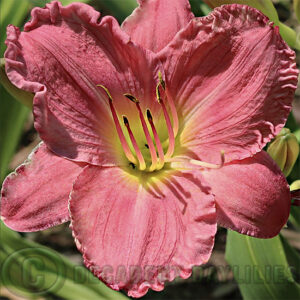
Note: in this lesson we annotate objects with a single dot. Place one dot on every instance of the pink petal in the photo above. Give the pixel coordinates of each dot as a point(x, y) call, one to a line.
point(157, 227)
point(155, 22)
point(62, 55)
point(233, 79)
point(35, 196)
point(252, 196)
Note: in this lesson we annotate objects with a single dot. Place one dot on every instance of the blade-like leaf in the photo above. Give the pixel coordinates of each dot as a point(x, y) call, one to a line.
point(260, 267)
point(12, 113)
point(296, 4)
point(119, 9)
point(42, 3)
point(11, 12)
point(293, 257)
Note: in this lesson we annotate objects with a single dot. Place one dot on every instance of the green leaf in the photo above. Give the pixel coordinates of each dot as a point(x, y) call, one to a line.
point(289, 35)
point(119, 9)
point(32, 270)
point(260, 267)
point(291, 123)
point(12, 117)
point(296, 4)
point(294, 217)
point(41, 3)
point(12, 113)
point(292, 256)
point(11, 12)
point(199, 8)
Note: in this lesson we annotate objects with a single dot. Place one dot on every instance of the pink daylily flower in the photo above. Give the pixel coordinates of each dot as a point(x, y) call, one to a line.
point(152, 133)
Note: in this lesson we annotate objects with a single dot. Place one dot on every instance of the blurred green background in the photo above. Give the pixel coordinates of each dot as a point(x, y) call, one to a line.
point(238, 269)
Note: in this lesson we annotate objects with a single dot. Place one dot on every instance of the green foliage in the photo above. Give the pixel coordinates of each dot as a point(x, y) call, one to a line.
point(12, 113)
point(261, 267)
point(296, 4)
point(118, 9)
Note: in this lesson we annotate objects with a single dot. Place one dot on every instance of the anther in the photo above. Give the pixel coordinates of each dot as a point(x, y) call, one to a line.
point(157, 140)
point(106, 91)
point(131, 98)
point(136, 148)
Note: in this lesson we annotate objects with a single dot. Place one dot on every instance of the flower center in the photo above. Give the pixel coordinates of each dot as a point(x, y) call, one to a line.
point(158, 157)
point(136, 158)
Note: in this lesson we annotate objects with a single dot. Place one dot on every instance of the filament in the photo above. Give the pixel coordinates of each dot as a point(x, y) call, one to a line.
point(122, 138)
point(146, 132)
point(157, 140)
point(171, 103)
point(135, 145)
point(171, 146)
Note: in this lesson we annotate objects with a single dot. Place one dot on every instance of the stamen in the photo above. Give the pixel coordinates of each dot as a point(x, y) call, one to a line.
point(146, 132)
point(122, 138)
point(157, 141)
point(135, 145)
point(171, 104)
point(171, 146)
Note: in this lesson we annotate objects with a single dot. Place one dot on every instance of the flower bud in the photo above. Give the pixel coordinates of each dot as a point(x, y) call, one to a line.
point(24, 97)
point(284, 150)
point(295, 185)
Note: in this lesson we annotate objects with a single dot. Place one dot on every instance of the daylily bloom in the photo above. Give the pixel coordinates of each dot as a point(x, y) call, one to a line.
point(152, 133)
